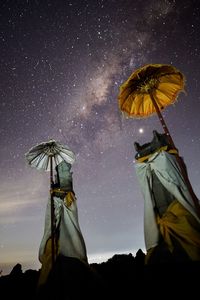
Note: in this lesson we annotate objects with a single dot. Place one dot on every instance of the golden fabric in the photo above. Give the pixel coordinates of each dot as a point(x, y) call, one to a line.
point(69, 198)
point(47, 262)
point(164, 148)
point(177, 223)
point(59, 191)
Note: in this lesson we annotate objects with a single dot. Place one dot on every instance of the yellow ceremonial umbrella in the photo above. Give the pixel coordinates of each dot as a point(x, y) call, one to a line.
point(149, 90)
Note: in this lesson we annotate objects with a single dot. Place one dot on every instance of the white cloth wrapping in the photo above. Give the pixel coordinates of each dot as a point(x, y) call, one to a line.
point(71, 242)
point(168, 171)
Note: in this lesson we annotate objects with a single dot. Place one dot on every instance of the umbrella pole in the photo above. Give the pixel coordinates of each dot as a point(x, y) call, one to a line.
point(52, 213)
point(162, 121)
point(178, 158)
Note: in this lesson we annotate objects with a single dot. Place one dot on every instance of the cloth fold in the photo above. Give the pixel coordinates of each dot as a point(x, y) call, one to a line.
point(178, 224)
point(165, 166)
point(69, 241)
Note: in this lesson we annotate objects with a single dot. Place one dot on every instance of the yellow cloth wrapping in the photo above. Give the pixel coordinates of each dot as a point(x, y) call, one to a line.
point(47, 262)
point(178, 223)
point(69, 198)
point(164, 148)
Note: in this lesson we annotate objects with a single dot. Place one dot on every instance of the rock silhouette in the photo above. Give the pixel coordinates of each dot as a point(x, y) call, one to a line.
point(123, 276)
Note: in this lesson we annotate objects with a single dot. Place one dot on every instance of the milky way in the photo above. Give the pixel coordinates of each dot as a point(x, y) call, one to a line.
point(62, 63)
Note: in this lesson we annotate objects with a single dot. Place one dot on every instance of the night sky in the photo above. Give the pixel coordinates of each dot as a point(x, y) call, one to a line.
point(61, 66)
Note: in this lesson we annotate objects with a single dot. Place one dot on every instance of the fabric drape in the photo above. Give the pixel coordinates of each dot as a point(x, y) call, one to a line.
point(166, 168)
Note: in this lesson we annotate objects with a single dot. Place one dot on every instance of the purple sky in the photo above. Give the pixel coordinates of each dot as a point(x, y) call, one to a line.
point(62, 63)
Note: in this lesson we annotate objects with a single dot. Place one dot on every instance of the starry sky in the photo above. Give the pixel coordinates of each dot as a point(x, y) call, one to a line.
point(62, 63)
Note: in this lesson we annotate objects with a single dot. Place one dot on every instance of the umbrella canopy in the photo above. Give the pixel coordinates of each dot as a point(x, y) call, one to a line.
point(40, 155)
point(160, 82)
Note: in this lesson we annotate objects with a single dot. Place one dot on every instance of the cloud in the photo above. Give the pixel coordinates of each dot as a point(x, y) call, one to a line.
point(10, 206)
point(15, 218)
point(20, 195)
